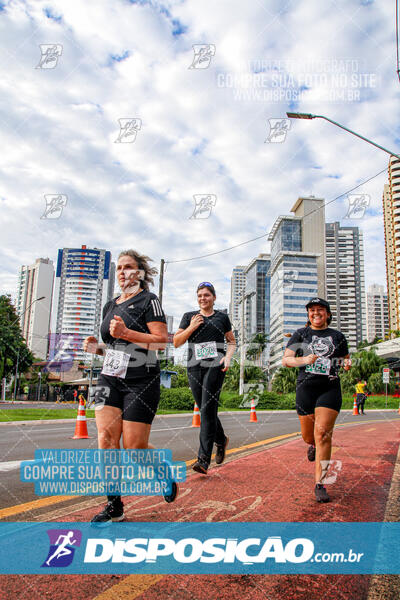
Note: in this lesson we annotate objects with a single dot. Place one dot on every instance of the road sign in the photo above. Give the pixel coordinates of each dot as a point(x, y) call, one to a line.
point(386, 375)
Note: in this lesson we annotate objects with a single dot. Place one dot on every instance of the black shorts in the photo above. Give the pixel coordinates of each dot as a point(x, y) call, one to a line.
point(137, 398)
point(318, 391)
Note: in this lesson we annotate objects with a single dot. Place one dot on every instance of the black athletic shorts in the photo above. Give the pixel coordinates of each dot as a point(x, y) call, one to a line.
point(137, 398)
point(318, 391)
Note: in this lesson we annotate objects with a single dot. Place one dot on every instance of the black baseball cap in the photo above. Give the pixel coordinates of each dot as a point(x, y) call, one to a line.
point(320, 301)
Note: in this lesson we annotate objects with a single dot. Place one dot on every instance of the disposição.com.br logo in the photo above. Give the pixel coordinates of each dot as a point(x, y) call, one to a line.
point(63, 543)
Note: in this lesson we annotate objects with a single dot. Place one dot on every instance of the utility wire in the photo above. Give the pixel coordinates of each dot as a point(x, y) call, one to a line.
point(265, 234)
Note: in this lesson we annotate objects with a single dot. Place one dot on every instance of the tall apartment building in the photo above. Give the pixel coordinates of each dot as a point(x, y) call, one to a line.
point(297, 270)
point(345, 281)
point(391, 219)
point(238, 282)
point(35, 281)
point(377, 313)
point(257, 289)
point(82, 287)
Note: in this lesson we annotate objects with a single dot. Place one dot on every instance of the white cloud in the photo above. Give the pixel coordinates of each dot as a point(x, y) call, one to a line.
point(59, 127)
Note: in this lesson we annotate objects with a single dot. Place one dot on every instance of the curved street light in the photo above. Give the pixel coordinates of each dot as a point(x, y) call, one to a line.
point(292, 115)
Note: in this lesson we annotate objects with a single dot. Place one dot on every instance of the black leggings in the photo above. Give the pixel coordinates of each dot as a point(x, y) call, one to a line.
point(206, 384)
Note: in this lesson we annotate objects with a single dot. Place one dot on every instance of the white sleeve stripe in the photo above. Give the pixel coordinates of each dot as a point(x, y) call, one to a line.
point(158, 312)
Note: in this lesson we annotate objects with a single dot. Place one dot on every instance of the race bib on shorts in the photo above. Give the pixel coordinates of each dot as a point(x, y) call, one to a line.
point(205, 350)
point(322, 366)
point(115, 363)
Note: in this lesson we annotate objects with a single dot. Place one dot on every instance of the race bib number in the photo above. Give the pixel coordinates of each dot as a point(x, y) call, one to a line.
point(205, 350)
point(322, 366)
point(115, 363)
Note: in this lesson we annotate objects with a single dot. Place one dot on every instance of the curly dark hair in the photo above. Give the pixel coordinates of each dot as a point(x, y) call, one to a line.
point(143, 264)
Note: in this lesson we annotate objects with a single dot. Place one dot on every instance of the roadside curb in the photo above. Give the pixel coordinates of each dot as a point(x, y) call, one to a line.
point(188, 414)
point(388, 586)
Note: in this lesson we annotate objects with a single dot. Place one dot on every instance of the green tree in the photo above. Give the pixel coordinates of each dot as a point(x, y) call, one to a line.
point(347, 382)
point(232, 377)
point(363, 344)
point(375, 384)
point(364, 364)
point(257, 346)
point(392, 333)
point(284, 380)
point(12, 344)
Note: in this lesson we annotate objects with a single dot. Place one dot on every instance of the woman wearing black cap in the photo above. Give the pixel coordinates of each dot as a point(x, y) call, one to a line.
point(319, 351)
point(206, 330)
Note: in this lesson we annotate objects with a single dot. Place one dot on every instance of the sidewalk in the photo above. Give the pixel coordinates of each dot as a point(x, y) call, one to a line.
point(273, 484)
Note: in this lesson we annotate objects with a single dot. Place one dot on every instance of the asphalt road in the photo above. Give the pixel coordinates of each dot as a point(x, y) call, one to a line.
point(18, 442)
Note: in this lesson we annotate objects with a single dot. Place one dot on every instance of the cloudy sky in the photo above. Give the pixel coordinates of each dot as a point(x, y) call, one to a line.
point(108, 105)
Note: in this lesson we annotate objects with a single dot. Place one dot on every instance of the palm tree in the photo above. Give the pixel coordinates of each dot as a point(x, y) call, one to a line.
point(257, 346)
point(364, 364)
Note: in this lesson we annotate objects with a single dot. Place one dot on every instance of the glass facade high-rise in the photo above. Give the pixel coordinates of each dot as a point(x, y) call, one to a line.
point(297, 270)
point(257, 304)
point(294, 280)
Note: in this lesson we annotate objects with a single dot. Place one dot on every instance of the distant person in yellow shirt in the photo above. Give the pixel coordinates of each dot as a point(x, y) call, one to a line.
point(361, 395)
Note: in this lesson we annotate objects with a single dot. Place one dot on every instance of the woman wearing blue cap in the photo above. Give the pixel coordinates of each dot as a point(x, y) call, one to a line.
point(206, 331)
point(319, 351)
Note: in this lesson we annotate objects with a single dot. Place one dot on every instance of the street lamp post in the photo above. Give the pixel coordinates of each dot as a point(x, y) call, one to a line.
point(311, 116)
point(40, 385)
point(242, 341)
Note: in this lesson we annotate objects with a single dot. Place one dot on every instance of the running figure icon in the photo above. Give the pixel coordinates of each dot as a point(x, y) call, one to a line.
point(62, 549)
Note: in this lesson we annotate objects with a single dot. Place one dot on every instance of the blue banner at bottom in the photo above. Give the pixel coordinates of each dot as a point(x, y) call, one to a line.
point(194, 548)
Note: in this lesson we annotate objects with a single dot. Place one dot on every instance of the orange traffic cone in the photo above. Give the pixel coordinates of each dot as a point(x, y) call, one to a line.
point(196, 416)
point(355, 409)
point(253, 414)
point(81, 431)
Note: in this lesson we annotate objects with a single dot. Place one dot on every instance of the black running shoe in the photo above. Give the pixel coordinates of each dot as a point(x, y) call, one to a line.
point(220, 453)
point(113, 511)
point(311, 453)
point(200, 467)
point(174, 493)
point(321, 494)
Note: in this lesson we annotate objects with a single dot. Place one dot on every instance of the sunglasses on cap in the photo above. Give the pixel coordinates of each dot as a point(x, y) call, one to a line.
point(206, 284)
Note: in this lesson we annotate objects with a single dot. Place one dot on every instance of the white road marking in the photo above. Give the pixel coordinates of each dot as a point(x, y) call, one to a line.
point(11, 465)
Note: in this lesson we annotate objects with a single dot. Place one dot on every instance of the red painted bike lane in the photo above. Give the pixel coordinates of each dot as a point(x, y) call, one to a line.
point(273, 484)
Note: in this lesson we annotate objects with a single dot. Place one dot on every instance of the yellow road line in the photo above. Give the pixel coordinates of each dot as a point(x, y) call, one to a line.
point(130, 587)
point(42, 502)
point(49, 500)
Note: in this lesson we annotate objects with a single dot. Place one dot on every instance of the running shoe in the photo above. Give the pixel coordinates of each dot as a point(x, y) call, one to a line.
point(113, 511)
point(220, 453)
point(311, 453)
point(321, 494)
point(174, 493)
point(200, 467)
